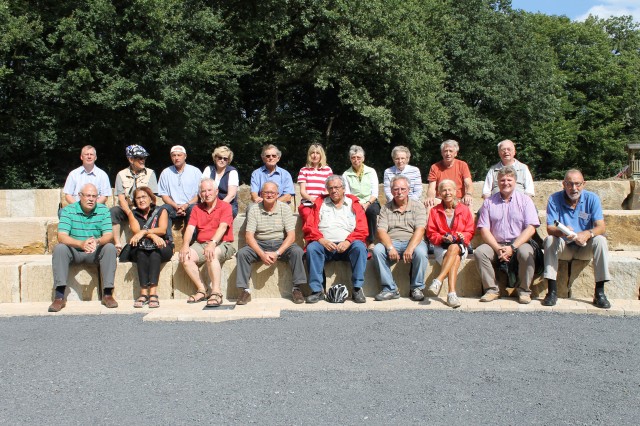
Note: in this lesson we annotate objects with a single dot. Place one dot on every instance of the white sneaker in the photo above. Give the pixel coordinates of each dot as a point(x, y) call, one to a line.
point(434, 288)
point(453, 301)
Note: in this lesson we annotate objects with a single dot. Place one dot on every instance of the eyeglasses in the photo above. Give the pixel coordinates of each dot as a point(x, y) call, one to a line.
point(572, 184)
point(222, 158)
point(271, 156)
point(399, 189)
point(334, 188)
point(139, 158)
point(269, 193)
point(89, 196)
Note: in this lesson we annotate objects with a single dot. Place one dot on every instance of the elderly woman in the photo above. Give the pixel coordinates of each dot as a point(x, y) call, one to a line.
point(312, 177)
point(150, 245)
point(225, 176)
point(450, 228)
point(362, 181)
point(450, 168)
point(401, 156)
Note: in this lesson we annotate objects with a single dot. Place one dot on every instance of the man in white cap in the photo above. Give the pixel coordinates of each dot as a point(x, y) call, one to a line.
point(178, 185)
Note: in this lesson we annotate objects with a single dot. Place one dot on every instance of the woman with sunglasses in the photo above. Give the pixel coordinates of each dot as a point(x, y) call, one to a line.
point(312, 177)
point(225, 175)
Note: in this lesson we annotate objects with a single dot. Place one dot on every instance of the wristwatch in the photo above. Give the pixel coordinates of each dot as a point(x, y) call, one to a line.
point(278, 253)
point(215, 242)
point(513, 247)
point(591, 233)
point(390, 248)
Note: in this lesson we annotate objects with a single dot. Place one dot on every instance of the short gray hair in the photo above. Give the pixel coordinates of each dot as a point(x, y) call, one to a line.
point(334, 177)
point(399, 177)
point(213, 182)
point(507, 171)
point(356, 149)
point(505, 141)
point(398, 149)
point(268, 147)
point(444, 182)
point(272, 183)
point(450, 142)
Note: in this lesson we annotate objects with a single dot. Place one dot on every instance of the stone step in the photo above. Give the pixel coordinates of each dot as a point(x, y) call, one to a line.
point(30, 279)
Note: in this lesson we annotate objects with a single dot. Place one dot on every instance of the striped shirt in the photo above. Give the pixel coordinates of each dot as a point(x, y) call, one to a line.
point(269, 226)
point(314, 179)
point(401, 225)
point(81, 226)
point(410, 172)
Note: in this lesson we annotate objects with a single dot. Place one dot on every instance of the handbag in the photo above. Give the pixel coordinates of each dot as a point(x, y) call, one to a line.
point(125, 253)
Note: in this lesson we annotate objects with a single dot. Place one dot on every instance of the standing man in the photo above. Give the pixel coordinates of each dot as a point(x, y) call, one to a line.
point(507, 153)
point(127, 181)
point(271, 232)
point(271, 172)
point(87, 173)
point(401, 226)
point(507, 221)
point(84, 236)
point(581, 212)
point(453, 169)
point(213, 220)
point(336, 229)
point(178, 185)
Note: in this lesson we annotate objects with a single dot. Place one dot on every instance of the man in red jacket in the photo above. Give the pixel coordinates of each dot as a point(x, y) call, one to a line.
point(336, 230)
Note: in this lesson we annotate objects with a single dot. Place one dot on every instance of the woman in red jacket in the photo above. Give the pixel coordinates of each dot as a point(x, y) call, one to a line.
point(449, 229)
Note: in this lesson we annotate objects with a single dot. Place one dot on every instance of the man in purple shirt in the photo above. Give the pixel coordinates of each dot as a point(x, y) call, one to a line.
point(507, 220)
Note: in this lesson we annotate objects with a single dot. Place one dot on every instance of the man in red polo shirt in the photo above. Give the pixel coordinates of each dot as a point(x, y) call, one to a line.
point(213, 219)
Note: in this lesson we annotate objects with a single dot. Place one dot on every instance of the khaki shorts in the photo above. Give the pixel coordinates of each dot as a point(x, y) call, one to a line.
point(227, 250)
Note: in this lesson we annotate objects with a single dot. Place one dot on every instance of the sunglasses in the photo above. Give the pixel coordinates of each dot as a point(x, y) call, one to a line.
point(222, 158)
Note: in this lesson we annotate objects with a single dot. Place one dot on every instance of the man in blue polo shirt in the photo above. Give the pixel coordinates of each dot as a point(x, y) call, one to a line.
point(270, 172)
point(581, 212)
point(84, 236)
point(178, 185)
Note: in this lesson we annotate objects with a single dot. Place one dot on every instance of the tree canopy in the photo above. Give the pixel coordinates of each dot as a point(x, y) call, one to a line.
point(203, 73)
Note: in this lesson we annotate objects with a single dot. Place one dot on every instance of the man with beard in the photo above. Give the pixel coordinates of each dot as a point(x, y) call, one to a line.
point(581, 212)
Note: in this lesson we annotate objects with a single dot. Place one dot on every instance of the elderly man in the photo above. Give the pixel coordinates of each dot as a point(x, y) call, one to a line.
point(213, 220)
point(87, 173)
point(401, 156)
point(507, 221)
point(524, 181)
point(127, 181)
point(271, 172)
point(453, 169)
point(84, 236)
point(581, 212)
point(401, 226)
point(178, 185)
point(336, 229)
point(270, 235)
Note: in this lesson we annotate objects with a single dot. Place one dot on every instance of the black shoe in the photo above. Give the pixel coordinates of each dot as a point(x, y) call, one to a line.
point(358, 296)
point(387, 295)
point(550, 299)
point(417, 295)
point(315, 297)
point(600, 301)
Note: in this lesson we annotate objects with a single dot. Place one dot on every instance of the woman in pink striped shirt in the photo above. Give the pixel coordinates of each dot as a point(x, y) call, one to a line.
point(312, 178)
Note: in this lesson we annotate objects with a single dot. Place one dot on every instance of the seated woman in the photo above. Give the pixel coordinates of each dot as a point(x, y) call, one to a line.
point(401, 156)
point(151, 243)
point(311, 178)
point(450, 228)
point(362, 181)
point(225, 176)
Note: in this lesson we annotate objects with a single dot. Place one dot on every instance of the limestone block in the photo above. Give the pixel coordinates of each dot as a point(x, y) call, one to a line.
point(624, 284)
point(23, 235)
point(127, 285)
point(52, 235)
point(29, 202)
point(37, 282)
point(183, 287)
point(623, 229)
point(10, 283)
point(266, 281)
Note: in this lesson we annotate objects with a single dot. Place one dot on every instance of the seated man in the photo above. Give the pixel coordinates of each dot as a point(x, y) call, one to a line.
point(127, 181)
point(453, 169)
point(84, 236)
point(581, 212)
point(213, 220)
point(270, 235)
point(178, 186)
point(271, 172)
point(507, 220)
point(336, 229)
point(401, 225)
point(87, 173)
point(507, 153)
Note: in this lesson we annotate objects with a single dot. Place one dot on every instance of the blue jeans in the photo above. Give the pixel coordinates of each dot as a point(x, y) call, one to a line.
point(317, 255)
point(419, 264)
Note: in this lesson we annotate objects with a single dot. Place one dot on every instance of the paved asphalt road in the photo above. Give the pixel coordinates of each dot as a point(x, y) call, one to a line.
point(405, 367)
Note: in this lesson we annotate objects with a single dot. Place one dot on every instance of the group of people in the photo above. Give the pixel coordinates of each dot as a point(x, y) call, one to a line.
point(342, 220)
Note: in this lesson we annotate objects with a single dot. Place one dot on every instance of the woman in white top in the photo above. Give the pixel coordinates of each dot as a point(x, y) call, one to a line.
point(225, 176)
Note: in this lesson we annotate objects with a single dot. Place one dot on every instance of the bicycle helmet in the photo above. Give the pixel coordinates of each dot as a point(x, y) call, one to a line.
point(136, 151)
point(338, 293)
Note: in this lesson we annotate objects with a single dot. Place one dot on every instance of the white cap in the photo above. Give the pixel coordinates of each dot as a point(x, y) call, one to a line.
point(178, 148)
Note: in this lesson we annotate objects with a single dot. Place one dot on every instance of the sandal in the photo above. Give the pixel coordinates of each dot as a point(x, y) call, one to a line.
point(141, 301)
point(215, 300)
point(192, 299)
point(153, 301)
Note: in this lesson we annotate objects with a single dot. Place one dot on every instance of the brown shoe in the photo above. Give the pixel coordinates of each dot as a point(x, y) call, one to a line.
point(298, 297)
point(109, 302)
point(245, 297)
point(489, 297)
point(524, 299)
point(57, 305)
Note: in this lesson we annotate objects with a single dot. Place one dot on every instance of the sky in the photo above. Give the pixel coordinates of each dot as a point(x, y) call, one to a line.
point(578, 10)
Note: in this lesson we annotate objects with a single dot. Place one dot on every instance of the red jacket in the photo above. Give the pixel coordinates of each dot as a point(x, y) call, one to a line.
point(437, 224)
point(310, 227)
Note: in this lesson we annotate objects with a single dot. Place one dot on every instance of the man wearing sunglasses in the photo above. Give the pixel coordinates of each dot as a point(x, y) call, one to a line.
point(270, 172)
point(581, 212)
